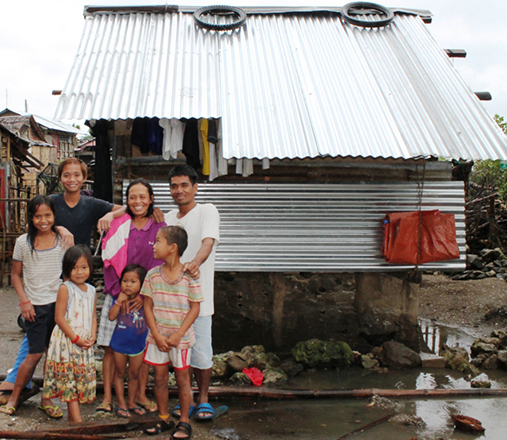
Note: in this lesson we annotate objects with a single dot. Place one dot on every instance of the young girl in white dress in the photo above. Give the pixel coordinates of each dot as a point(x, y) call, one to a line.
point(70, 365)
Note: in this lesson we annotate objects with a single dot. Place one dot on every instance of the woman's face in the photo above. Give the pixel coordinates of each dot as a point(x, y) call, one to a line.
point(139, 200)
point(43, 219)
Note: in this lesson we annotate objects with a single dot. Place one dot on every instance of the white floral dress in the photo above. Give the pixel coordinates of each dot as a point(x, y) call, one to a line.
point(70, 371)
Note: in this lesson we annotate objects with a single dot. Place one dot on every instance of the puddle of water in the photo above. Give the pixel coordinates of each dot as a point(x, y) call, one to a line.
point(333, 418)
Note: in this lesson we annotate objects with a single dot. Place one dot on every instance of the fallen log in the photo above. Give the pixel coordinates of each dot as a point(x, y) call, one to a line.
point(275, 393)
point(105, 428)
point(42, 435)
point(272, 393)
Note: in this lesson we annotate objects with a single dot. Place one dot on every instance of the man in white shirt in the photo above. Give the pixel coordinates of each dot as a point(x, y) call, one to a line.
point(202, 223)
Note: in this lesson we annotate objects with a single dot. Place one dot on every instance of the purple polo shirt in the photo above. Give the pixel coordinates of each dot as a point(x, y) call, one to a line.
point(139, 251)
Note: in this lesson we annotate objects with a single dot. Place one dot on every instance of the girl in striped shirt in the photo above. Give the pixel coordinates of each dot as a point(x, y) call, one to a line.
point(38, 255)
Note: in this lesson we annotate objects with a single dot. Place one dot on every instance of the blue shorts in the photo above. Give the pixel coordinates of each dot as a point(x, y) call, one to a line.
point(39, 332)
point(202, 350)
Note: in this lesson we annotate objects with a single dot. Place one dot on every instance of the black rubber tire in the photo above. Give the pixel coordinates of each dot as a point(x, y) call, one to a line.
point(220, 10)
point(365, 23)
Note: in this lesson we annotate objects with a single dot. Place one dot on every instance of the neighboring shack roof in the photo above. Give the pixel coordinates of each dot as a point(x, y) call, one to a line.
point(50, 124)
point(25, 128)
point(290, 83)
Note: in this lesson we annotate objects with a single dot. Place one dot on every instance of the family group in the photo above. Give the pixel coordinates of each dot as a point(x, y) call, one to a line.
point(158, 281)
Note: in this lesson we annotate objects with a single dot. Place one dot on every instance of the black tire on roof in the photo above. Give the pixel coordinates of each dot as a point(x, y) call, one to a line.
point(220, 10)
point(366, 23)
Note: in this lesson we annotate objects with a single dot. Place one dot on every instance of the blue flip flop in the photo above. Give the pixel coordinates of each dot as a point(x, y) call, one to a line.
point(204, 408)
point(177, 407)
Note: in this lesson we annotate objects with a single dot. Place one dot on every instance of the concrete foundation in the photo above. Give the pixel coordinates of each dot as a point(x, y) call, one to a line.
point(278, 310)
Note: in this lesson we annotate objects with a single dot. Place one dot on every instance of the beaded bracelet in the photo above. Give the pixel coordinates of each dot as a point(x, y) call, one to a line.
point(75, 340)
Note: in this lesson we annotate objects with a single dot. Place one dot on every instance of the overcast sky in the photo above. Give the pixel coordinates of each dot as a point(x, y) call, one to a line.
point(39, 39)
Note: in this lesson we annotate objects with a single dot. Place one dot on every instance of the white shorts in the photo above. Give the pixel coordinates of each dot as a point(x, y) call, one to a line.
point(202, 351)
point(180, 359)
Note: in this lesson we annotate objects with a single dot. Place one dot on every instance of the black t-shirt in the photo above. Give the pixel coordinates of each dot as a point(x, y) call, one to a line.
point(80, 219)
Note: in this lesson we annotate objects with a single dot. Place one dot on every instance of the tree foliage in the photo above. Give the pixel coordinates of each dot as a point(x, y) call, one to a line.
point(486, 209)
point(490, 176)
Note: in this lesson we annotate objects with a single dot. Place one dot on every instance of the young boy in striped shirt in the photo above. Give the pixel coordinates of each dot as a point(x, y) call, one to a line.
point(171, 304)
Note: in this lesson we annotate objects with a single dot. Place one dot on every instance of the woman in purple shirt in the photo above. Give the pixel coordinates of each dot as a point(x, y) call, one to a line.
point(129, 241)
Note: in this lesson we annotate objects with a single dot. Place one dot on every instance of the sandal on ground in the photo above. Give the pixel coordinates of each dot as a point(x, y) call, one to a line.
point(124, 413)
point(182, 427)
point(52, 411)
point(159, 428)
point(137, 410)
point(9, 410)
point(150, 406)
point(202, 409)
point(176, 412)
point(105, 407)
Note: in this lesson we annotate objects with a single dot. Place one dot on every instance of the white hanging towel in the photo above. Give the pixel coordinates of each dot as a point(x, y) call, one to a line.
point(173, 137)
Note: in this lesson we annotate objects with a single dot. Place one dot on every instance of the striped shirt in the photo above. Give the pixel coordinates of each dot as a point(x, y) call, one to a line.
point(41, 270)
point(171, 303)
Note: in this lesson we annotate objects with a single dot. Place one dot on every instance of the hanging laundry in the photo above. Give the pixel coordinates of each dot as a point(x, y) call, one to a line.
point(205, 157)
point(155, 136)
point(212, 131)
point(223, 164)
point(213, 164)
point(244, 167)
point(191, 143)
point(148, 135)
point(173, 137)
point(139, 134)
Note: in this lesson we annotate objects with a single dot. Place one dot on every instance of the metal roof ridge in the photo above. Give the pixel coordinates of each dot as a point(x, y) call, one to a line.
point(89, 10)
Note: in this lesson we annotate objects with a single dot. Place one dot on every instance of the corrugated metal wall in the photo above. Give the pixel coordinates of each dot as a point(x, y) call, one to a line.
point(316, 227)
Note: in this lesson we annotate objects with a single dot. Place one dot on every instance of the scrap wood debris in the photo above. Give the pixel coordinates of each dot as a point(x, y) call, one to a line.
point(88, 431)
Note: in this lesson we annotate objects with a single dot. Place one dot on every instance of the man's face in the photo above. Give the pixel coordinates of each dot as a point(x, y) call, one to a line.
point(72, 178)
point(182, 190)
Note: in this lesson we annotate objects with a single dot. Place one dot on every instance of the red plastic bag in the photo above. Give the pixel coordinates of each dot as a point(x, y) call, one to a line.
point(437, 241)
point(255, 375)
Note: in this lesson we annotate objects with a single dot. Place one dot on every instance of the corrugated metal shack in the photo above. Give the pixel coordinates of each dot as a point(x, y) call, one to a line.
point(323, 126)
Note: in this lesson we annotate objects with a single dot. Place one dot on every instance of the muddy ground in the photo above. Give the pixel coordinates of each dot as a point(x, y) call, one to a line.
point(442, 300)
point(480, 305)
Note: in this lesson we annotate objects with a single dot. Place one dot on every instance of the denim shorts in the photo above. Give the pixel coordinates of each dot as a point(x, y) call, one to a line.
point(202, 351)
point(39, 332)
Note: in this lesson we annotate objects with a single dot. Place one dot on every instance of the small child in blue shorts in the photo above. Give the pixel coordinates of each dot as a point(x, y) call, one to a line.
point(128, 340)
point(171, 303)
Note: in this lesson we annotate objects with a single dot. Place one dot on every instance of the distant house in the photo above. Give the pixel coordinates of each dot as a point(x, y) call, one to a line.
point(86, 152)
point(62, 136)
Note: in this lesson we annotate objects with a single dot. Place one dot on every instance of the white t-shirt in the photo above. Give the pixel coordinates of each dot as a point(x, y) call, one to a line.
point(201, 222)
point(41, 270)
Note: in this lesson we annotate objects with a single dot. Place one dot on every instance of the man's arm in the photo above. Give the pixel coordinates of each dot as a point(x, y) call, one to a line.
point(104, 222)
point(66, 236)
point(192, 267)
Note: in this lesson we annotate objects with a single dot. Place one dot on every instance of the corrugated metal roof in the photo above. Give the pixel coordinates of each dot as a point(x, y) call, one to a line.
point(286, 85)
point(318, 227)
